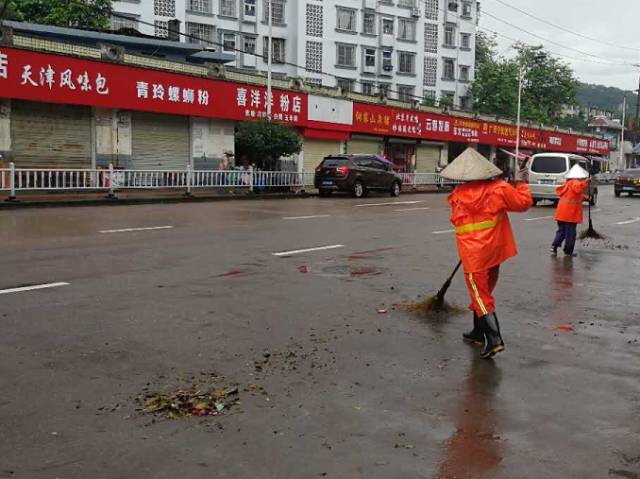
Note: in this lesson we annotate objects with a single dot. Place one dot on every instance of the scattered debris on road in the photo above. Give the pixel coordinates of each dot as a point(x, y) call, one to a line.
point(427, 308)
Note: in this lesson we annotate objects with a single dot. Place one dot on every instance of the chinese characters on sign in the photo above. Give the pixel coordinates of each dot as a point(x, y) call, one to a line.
point(284, 106)
point(4, 65)
point(48, 78)
point(174, 94)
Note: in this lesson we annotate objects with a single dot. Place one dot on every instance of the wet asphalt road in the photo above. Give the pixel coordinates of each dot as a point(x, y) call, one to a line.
point(348, 392)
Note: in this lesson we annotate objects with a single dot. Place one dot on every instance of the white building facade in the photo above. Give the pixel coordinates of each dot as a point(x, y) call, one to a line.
point(403, 49)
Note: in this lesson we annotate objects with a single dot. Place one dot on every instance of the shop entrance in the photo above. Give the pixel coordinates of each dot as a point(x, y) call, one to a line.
point(456, 149)
point(402, 155)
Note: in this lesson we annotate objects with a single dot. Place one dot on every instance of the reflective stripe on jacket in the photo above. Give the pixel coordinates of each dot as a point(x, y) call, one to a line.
point(479, 214)
point(570, 203)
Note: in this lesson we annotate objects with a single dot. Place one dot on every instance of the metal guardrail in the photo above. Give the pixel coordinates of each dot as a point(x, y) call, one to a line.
point(14, 180)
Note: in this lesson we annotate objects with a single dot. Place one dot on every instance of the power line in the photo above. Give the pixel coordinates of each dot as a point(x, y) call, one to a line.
point(559, 27)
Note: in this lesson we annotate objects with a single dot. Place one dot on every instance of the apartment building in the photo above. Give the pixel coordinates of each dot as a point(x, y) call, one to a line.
point(402, 49)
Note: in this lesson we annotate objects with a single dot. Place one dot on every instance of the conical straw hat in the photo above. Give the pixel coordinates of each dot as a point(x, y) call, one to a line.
point(470, 166)
point(577, 172)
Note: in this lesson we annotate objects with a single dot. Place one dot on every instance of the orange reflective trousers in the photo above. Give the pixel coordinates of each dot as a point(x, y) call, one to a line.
point(481, 285)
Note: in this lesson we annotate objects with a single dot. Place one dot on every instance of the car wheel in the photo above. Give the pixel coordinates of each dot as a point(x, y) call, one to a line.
point(395, 189)
point(324, 193)
point(594, 198)
point(358, 189)
point(616, 193)
point(535, 202)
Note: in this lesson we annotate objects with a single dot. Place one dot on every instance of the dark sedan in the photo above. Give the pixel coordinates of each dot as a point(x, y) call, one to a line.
point(628, 181)
point(356, 174)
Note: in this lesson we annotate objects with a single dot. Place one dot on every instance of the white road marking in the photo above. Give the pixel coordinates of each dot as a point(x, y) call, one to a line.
point(538, 218)
point(595, 211)
point(129, 230)
point(305, 217)
point(443, 232)
point(32, 288)
point(308, 250)
point(390, 204)
point(629, 222)
point(414, 209)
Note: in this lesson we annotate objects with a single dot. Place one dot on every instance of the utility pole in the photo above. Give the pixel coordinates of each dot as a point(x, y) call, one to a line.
point(621, 162)
point(637, 119)
point(269, 60)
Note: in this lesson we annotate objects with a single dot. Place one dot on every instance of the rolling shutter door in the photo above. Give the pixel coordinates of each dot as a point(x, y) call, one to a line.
point(369, 147)
point(160, 142)
point(47, 135)
point(316, 150)
point(427, 158)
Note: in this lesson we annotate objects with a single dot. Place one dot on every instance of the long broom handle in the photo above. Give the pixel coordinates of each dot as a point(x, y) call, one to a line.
point(455, 271)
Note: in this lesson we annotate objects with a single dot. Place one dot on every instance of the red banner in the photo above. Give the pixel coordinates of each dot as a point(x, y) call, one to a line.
point(382, 120)
point(61, 79)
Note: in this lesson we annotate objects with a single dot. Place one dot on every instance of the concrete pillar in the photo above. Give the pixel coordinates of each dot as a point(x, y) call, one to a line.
point(494, 153)
point(5, 131)
point(113, 143)
point(444, 155)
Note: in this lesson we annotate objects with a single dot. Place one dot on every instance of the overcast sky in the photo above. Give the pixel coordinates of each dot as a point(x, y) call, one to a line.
point(614, 22)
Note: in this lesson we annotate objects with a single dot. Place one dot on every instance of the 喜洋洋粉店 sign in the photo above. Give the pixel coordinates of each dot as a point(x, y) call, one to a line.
point(61, 79)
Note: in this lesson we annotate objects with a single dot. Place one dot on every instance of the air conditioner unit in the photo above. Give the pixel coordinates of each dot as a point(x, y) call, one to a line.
point(296, 84)
point(415, 12)
point(6, 36)
point(111, 53)
point(215, 70)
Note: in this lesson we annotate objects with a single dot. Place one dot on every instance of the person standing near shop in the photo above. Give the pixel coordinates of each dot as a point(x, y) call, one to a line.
point(479, 208)
point(569, 213)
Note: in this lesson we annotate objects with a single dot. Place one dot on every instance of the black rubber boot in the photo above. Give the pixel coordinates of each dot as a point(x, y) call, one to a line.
point(491, 328)
point(475, 336)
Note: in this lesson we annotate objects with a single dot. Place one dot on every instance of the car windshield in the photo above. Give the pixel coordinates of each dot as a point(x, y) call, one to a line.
point(631, 173)
point(549, 164)
point(335, 162)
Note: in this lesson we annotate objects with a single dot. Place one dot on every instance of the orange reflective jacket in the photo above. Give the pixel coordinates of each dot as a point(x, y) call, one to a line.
point(570, 204)
point(483, 231)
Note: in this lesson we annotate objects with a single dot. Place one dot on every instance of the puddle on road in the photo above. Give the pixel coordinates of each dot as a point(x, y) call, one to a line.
point(342, 271)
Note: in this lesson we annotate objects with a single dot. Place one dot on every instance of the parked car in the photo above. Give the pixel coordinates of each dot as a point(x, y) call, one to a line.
point(547, 171)
point(356, 174)
point(627, 182)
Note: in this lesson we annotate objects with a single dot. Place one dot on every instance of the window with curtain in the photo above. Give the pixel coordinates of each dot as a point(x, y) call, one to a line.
point(407, 29)
point(346, 19)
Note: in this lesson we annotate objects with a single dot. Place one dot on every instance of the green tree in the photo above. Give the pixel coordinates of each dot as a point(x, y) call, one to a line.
point(486, 48)
point(264, 142)
point(548, 85)
point(91, 14)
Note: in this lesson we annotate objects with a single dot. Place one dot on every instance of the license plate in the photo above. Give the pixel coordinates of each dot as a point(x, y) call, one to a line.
point(628, 188)
point(547, 182)
point(327, 183)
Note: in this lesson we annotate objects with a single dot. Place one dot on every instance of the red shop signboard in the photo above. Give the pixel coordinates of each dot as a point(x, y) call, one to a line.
point(382, 120)
point(61, 79)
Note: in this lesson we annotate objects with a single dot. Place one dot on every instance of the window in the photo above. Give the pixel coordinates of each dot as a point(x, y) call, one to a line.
point(464, 73)
point(367, 88)
point(345, 84)
point(431, 8)
point(249, 45)
point(466, 9)
point(161, 29)
point(387, 61)
point(201, 6)
point(346, 55)
point(449, 35)
point(228, 8)
point(406, 62)
point(448, 71)
point(119, 22)
point(405, 93)
point(314, 57)
point(277, 11)
point(431, 37)
point(164, 8)
point(452, 5)
point(383, 89)
point(465, 41)
point(430, 94)
point(407, 3)
point(369, 23)
point(407, 29)
point(370, 57)
point(447, 96)
point(200, 33)
point(346, 19)
point(277, 52)
point(430, 71)
point(228, 42)
point(249, 8)
point(465, 103)
point(314, 20)
point(387, 26)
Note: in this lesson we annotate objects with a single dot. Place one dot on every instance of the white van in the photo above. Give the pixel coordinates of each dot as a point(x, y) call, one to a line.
point(547, 171)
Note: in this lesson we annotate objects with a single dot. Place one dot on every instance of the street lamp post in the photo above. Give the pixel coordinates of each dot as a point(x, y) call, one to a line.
point(269, 59)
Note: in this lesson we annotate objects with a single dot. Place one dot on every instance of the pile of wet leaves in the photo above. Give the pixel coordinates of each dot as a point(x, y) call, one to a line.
point(604, 243)
point(193, 400)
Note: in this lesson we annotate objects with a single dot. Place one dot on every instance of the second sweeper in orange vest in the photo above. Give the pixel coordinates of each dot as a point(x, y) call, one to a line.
point(479, 209)
point(569, 213)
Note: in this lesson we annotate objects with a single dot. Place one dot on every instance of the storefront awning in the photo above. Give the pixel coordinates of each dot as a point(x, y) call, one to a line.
point(524, 154)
